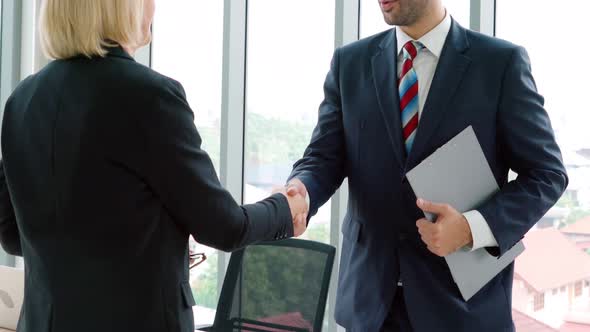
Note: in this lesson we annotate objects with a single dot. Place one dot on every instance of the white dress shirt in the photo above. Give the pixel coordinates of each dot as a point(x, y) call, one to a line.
point(425, 65)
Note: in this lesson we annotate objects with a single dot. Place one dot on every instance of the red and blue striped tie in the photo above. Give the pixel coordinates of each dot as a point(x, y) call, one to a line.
point(408, 94)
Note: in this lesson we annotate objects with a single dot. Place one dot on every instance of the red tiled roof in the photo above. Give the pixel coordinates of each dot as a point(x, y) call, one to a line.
point(581, 226)
point(576, 322)
point(551, 260)
point(574, 327)
point(526, 323)
point(583, 245)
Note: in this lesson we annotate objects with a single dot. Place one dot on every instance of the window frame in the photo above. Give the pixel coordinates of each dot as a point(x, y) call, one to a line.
point(10, 70)
point(578, 289)
point(538, 301)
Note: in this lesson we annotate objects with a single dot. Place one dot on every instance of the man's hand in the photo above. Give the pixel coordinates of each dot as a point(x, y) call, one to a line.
point(295, 187)
point(299, 210)
point(448, 233)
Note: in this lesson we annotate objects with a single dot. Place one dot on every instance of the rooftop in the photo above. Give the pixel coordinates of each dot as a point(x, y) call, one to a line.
point(526, 323)
point(581, 226)
point(551, 260)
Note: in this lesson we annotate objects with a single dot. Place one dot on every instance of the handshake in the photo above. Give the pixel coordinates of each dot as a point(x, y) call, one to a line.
point(296, 194)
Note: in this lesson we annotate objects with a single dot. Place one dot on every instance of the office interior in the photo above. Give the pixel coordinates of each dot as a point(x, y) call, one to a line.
point(253, 71)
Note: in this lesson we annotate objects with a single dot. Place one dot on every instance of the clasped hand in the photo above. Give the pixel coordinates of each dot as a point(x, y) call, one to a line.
point(298, 206)
point(448, 233)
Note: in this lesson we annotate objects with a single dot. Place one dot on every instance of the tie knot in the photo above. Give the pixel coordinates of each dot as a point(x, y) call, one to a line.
point(411, 49)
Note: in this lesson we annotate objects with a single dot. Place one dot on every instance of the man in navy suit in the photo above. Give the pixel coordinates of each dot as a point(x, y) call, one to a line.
point(390, 101)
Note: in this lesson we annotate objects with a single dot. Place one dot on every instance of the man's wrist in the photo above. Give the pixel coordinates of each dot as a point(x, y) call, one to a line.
point(468, 237)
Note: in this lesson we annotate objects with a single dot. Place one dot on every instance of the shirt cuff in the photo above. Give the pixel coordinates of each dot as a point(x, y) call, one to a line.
point(480, 231)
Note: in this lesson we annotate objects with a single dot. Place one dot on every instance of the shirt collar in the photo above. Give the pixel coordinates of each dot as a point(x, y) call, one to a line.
point(434, 40)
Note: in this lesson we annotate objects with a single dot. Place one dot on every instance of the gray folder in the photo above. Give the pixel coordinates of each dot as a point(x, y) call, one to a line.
point(458, 174)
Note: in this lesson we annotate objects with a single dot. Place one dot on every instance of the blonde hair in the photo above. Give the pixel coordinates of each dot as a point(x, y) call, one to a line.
point(68, 28)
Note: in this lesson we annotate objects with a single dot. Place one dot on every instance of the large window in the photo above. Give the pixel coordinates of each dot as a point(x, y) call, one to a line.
point(188, 46)
point(286, 67)
point(553, 37)
point(372, 19)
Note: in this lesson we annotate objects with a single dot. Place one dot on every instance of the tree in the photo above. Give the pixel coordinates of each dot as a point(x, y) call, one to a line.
point(205, 287)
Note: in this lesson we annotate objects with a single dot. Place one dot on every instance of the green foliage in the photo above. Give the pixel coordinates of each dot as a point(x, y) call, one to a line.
point(205, 287)
point(268, 140)
point(318, 232)
point(275, 141)
point(211, 143)
point(576, 214)
point(281, 280)
point(566, 201)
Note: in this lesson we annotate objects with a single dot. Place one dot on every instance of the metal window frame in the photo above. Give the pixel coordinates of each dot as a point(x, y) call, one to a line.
point(233, 110)
point(483, 16)
point(10, 74)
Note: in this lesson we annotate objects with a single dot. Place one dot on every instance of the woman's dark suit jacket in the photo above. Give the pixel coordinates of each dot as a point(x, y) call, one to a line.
point(103, 180)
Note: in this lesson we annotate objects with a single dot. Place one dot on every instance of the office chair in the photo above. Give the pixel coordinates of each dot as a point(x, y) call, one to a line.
point(275, 286)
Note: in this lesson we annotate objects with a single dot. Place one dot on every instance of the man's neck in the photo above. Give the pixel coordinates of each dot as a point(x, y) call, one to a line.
point(429, 21)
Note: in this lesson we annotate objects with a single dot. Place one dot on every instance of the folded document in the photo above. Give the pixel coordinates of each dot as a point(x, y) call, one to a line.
point(458, 174)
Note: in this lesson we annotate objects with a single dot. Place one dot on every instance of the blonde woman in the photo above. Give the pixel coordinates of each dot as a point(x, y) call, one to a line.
point(103, 180)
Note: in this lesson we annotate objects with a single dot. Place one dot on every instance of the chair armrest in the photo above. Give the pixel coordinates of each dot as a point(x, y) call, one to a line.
point(198, 328)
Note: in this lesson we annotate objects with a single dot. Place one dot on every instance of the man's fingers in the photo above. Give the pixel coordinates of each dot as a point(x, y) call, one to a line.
point(436, 251)
point(299, 224)
point(431, 207)
point(425, 226)
point(300, 187)
point(293, 191)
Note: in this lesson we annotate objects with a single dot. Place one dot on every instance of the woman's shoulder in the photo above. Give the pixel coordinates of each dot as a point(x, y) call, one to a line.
point(151, 81)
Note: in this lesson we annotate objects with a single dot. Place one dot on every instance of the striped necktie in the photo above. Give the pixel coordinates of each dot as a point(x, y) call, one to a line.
point(408, 94)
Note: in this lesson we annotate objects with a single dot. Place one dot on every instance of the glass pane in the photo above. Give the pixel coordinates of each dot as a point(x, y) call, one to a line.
point(562, 79)
point(372, 19)
point(3, 255)
point(188, 46)
point(287, 65)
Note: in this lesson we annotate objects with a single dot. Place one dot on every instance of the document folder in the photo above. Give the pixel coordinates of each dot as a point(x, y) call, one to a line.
point(459, 174)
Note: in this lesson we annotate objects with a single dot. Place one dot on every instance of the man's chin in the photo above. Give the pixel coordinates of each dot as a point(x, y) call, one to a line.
point(389, 20)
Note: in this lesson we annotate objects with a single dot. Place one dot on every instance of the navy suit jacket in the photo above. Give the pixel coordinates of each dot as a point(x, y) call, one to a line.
point(480, 81)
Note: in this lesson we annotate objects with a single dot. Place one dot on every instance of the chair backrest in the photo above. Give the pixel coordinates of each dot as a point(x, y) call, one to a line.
point(276, 286)
point(12, 290)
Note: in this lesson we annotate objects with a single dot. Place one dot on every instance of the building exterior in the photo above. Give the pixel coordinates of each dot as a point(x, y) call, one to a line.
point(552, 278)
point(579, 233)
point(576, 323)
point(526, 323)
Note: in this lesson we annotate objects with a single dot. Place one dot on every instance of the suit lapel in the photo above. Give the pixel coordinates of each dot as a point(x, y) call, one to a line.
point(384, 66)
point(449, 72)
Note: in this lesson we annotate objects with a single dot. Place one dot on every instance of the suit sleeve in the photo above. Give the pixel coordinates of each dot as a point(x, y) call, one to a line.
point(183, 177)
point(9, 234)
point(527, 143)
point(322, 167)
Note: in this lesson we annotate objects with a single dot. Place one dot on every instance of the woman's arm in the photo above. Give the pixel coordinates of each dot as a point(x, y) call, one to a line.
point(184, 178)
point(9, 234)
